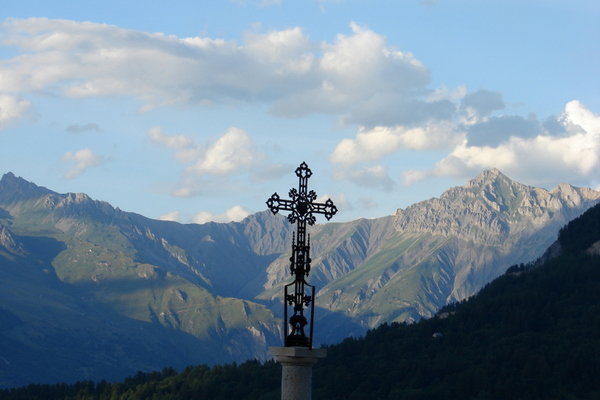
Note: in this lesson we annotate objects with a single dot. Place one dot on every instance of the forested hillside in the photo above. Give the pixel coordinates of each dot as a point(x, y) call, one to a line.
point(530, 334)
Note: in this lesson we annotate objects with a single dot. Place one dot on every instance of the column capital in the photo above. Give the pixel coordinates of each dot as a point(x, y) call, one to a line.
point(300, 356)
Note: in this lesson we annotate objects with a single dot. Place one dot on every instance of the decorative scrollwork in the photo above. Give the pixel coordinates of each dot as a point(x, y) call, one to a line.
point(303, 171)
point(301, 206)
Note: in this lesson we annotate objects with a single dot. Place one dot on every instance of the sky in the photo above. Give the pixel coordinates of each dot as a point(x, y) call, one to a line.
point(198, 111)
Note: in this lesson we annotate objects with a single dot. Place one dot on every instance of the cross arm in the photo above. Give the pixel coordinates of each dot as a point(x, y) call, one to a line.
point(276, 204)
point(328, 209)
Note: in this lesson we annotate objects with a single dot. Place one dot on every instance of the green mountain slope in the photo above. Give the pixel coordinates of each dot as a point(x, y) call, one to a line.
point(530, 334)
point(83, 280)
point(50, 331)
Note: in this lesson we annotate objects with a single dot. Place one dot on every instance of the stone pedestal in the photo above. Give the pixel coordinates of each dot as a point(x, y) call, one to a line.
point(296, 373)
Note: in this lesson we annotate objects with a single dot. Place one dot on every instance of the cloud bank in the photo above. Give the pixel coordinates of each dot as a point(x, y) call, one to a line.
point(358, 77)
point(539, 157)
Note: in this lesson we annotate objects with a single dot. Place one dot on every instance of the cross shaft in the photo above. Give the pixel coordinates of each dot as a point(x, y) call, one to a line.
point(302, 207)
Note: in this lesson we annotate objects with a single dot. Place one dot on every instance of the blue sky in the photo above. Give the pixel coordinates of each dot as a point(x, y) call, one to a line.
point(200, 110)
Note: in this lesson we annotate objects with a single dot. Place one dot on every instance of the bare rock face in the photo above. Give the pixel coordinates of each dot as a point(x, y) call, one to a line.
point(492, 209)
point(495, 216)
point(9, 242)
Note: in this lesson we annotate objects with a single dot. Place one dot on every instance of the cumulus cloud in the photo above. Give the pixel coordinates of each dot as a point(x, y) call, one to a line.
point(82, 159)
point(361, 78)
point(542, 159)
point(230, 153)
point(80, 59)
point(186, 150)
point(373, 144)
point(355, 72)
point(235, 214)
point(216, 166)
point(11, 108)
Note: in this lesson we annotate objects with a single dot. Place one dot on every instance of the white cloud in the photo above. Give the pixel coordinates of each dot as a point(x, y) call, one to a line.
point(83, 159)
point(373, 144)
point(363, 63)
point(170, 216)
point(285, 52)
point(359, 77)
point(80, 59)
point(231, 152)
point(576, 114)
point(235, 214)
point(11, 108)
point(187, 150)
point(213, 167)
point(543, 159)
point(355, 72)
point(170, 141)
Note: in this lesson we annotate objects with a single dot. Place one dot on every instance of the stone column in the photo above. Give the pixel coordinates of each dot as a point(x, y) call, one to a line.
point(296, 372)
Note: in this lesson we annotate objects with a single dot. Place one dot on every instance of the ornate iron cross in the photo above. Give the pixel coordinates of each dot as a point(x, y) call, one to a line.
point(302, 206)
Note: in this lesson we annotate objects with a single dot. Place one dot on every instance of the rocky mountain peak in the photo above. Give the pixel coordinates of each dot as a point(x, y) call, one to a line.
point(14, 191)
point(490, 207)
point(492, 183)
point(574, 196)
point(487, 177)
point(13, 188)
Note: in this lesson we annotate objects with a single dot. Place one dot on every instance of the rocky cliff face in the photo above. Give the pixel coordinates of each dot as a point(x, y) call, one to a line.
point(492, 209)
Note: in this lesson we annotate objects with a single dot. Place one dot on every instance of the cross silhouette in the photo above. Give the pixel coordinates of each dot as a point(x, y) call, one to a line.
point(302, 206)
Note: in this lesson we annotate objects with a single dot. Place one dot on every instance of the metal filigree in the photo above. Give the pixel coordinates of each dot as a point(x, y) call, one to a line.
point(301, 206)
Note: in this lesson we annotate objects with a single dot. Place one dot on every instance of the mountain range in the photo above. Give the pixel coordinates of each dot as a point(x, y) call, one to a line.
point(530, 334)
point(90, 291)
